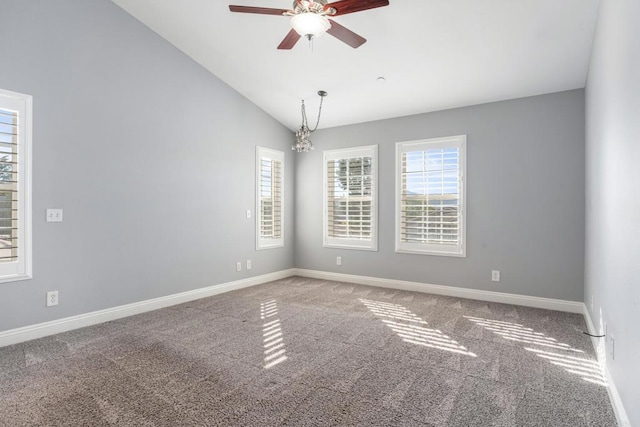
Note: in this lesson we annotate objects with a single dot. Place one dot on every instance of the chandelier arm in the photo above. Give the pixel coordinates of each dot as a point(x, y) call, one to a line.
point(304, 114)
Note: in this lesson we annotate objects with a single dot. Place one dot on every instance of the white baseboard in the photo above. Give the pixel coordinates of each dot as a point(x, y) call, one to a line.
point(614, 396)
point(500, 297)
point(14, 336)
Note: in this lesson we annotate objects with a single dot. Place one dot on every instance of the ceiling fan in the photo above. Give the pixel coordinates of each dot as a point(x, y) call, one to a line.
point(309, 19)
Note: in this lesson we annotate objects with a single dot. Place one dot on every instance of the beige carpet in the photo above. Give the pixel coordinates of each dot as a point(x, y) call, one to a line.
point(303, 352)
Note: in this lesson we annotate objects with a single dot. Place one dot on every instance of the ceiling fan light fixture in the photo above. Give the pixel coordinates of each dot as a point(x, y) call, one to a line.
point(310, 24)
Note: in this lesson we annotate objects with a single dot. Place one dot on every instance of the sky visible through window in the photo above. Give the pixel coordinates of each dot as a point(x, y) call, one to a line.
point(432, 172)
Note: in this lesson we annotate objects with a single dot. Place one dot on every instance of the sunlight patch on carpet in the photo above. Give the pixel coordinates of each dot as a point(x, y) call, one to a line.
point(272, 336)
point(412, 329)
point(548, 347)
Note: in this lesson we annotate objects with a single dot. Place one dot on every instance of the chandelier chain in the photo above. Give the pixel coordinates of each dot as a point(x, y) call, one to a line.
point(303, 142)
point(305, 121)
point(319, 112)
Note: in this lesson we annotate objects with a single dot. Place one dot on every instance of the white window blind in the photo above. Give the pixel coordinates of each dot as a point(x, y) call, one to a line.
point(269, 191)
point(350, 198)
point(15, 215)
point(8, 185)
point(430, 196)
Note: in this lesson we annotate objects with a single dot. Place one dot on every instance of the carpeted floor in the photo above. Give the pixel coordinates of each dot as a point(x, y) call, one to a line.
point(303, 352)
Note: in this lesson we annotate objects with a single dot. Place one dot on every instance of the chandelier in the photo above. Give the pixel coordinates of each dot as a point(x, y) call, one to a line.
point(303, 143)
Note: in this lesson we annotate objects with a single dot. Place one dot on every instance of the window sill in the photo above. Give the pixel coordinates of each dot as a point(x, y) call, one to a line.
point(273, 246)
point(15, 278)
point(433, 253)
point(350, 247)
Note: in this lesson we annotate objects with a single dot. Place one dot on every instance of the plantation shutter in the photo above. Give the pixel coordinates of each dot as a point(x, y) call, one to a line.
point(350, 197)
point(431, 196)
point(269, 206)
point(9, 239)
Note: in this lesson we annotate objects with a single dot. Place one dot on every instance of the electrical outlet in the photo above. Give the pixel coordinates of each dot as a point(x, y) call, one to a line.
point(248, 264)
point(238, 266)
point(339, 260)
point(52, 298)
point(54, 215)
point(495, 276)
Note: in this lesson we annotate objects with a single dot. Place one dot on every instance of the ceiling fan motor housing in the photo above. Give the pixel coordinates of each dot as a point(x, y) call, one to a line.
point(318, 7)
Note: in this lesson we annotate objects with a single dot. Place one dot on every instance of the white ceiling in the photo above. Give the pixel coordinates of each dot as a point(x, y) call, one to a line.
point(434, 54)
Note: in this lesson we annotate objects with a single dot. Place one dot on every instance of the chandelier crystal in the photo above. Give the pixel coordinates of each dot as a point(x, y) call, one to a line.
point(303, 141)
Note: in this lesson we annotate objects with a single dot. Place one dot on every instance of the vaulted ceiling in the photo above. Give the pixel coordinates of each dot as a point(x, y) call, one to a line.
point(433, 54)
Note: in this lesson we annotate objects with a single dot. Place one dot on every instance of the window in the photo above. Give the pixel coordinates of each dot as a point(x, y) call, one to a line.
point(430, 196)
point(269, 206)
point(350, 198)
point(15, 186)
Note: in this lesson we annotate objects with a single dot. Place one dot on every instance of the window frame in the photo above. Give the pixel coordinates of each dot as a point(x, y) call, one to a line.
point(346, 243)
point(268, 153)
point(458, 250)
point(21, 269)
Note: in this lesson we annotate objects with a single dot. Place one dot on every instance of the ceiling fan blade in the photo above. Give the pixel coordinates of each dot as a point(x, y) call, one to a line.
point(289, 40)
point(260, 10)
point(343, 7)
point(345, 35)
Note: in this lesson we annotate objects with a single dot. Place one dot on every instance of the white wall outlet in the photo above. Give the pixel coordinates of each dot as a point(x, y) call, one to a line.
point(338, 260)
point(54, 215)
point(248, 213)
point(248, 264)
point(238, 266)
point(52, 298)
point(495, 276)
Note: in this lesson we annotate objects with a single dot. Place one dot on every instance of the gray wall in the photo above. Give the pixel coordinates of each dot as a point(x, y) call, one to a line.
point(525, 198)
point(612, 274)
point(150, 156)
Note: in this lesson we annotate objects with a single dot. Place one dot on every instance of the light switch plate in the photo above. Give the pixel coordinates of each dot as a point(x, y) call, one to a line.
point(54, 215)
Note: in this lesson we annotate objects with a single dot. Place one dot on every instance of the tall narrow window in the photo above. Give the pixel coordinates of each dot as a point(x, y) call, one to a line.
point(430, 196)
point(15, 186)
point(269, 200)
point(350, 198)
